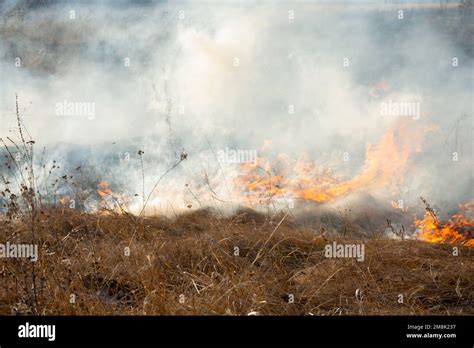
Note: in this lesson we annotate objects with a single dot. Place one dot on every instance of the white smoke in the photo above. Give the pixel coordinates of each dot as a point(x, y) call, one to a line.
point(203, 76)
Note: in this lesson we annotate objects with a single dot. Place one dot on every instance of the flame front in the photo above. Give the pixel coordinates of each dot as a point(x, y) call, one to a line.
point(457, 230)
point(103, 189)
point(384, 166)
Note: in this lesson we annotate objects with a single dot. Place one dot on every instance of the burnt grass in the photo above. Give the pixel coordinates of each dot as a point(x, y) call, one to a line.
point(200, 264)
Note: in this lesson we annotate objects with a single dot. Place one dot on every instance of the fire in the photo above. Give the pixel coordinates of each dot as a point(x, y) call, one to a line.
point(457, 230)
point(109, 199)
point(103, 189)
point(384, 166)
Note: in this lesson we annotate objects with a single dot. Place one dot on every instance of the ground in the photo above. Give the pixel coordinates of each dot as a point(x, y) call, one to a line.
point(200, 264)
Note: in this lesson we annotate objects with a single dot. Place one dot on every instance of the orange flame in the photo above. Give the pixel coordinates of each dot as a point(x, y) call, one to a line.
point(457, 230)
point(385, 164)
point(103, 189)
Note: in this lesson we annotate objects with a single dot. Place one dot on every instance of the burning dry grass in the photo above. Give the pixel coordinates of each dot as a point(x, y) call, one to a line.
point(458, 229)
point(200, 264)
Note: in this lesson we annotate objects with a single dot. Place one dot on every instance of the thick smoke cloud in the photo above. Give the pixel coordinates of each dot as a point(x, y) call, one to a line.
point(203, 76)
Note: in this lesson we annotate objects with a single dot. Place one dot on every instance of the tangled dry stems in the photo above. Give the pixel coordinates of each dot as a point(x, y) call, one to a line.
point(189, 266)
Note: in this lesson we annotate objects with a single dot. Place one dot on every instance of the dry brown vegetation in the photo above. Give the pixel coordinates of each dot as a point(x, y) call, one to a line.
point(193, 257)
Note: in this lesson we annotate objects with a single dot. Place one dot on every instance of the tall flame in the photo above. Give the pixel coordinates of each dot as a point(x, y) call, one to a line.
point(385, 163)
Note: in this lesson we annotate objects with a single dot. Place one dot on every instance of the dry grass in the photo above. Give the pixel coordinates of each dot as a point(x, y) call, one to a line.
point(193, 257)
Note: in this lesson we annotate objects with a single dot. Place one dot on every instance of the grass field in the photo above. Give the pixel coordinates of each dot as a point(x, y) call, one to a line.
point(199, 264)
